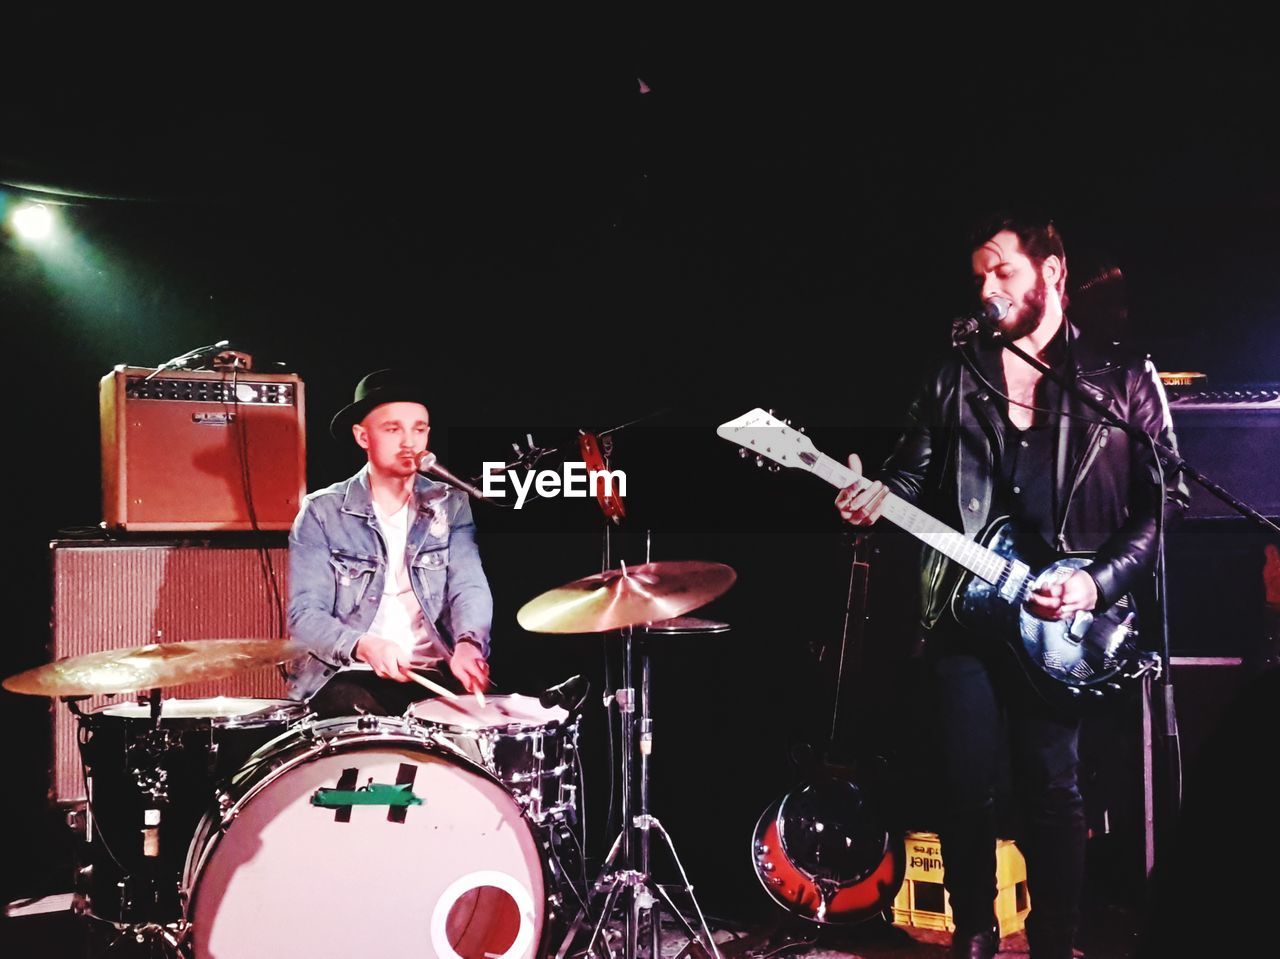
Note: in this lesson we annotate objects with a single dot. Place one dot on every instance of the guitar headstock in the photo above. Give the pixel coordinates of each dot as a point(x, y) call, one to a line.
point(770, 438)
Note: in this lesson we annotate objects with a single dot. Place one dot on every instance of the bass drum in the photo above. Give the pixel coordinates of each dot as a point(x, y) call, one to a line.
point(353, 836)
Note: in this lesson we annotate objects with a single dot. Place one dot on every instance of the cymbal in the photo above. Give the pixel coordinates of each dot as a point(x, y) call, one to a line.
point(686, 624)
point(626, 597)
point(151, 667)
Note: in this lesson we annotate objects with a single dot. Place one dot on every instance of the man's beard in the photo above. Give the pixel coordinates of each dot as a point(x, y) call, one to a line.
point(1029, 314)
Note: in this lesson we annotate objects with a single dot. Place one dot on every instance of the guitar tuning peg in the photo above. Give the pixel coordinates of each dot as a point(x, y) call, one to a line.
point(769, 411)
point(742, 453)
point(775, 468)
point(801, 429)
point(759, 460)
point(786, 422)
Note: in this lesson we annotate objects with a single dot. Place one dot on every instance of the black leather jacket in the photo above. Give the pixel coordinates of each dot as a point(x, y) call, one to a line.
point(1105, 485)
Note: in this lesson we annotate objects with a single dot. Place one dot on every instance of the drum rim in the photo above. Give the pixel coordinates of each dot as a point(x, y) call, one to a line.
point(280, 710)
point(569, 721)
point(510, 729)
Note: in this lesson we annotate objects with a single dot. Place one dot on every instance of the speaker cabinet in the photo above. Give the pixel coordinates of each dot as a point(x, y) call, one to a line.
point(109, 595)
point(196, 450)
point(1233, 437)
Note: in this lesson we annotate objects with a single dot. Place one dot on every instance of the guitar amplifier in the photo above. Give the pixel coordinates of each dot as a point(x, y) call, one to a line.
point(1232, 436)
point(201, 450)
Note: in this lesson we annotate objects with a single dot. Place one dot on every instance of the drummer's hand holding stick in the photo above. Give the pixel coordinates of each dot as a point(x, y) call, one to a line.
point(469, 666)
point(389, 660)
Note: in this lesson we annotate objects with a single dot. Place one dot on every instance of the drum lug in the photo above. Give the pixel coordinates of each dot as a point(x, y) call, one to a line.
point(78, 820)
point(80, 903)
point(226, 809)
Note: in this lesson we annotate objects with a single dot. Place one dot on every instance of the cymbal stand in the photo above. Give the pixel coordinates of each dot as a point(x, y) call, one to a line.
point(621, 872)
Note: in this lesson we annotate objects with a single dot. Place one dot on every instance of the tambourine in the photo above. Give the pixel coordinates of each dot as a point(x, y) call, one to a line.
point(607, 496)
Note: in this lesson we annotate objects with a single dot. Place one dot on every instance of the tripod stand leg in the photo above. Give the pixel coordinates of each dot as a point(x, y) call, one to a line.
point(614, 883)
point(617, 884)
point(708, 941)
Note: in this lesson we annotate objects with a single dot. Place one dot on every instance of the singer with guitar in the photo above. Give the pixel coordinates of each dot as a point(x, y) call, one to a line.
point(989, 437)
point(384, 573)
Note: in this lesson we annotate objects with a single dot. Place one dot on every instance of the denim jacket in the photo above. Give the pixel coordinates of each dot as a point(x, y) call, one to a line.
point(338, 564)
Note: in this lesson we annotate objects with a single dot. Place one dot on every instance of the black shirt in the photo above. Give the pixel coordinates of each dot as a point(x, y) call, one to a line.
point(1027, 459)
point(1024, 479)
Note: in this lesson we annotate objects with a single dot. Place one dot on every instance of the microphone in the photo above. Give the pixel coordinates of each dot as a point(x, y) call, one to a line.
point(429, 464)
point(570, 694)
point(993, 311)
point(185, 360)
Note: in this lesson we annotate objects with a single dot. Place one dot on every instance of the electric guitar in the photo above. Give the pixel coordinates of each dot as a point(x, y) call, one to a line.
point(1092, 656)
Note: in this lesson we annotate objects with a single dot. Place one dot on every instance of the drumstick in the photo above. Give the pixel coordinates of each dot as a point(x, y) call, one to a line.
point(479, 698)
point(434, 687)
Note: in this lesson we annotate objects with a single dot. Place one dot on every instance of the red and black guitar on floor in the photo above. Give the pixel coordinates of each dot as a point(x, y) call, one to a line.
point(827, 851)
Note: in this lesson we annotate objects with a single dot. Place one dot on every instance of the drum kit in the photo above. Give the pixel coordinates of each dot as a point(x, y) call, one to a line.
point(229, 827)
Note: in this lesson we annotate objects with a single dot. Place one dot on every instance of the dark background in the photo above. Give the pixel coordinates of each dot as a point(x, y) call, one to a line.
point(777, 222)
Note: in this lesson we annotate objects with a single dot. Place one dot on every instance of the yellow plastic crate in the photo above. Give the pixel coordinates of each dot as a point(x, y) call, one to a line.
point(922, 901)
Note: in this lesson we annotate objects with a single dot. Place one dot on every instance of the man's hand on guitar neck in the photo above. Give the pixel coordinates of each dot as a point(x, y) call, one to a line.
point(1077, 594)
point(861, 502)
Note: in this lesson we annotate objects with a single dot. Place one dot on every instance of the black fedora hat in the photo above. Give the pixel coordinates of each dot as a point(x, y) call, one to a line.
point(380, 386)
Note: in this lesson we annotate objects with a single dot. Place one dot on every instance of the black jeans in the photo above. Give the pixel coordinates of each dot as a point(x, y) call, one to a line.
point(355, 691)
point(990, 722)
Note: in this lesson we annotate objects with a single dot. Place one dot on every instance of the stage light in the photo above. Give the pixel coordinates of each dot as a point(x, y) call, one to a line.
point(32, 221)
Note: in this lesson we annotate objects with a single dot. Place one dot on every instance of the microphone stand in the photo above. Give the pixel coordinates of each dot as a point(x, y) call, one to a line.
point(1172, 460)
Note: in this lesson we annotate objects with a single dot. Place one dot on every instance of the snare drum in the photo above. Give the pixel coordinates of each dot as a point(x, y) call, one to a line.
point(528, 746)
point(351, 837)
point(148, 786)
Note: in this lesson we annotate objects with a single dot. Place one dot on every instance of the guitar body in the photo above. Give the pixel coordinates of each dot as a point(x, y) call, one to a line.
point(1066, 662)
point(825, 853)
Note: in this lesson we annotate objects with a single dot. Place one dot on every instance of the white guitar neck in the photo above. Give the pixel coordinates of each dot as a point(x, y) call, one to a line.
point(977, 559)
point(770, 438)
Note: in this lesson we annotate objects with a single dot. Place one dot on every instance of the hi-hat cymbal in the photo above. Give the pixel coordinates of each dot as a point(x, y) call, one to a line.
point(626, 597)
point(151, 667)
point(683, 625)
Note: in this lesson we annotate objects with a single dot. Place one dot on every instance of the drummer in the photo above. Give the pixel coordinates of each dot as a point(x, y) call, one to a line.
point(384, 573)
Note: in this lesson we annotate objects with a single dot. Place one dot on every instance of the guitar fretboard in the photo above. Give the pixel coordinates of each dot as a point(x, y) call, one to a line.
point(979, 560)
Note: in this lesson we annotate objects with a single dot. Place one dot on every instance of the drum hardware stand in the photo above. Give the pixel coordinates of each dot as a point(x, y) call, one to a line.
point(156, 939)
point(632, 876)
point(151, 779)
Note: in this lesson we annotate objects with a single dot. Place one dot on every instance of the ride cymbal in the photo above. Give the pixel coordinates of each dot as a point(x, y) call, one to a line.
point(626, 597)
